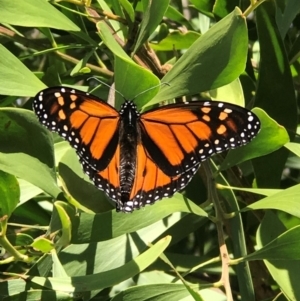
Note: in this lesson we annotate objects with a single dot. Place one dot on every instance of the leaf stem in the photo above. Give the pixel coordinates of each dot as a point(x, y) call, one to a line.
point(254, 4)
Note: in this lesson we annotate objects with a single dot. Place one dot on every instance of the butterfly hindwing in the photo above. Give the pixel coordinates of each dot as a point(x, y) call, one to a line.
point(151, 183)
point(107, 179)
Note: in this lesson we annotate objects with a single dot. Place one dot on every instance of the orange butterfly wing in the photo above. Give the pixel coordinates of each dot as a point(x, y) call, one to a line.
point(89, 124)
point(180, 136)
point(171, 141)
point(151, 183)
point(176, 138)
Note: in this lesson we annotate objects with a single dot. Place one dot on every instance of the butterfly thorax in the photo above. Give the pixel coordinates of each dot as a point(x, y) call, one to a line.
point(128, 140)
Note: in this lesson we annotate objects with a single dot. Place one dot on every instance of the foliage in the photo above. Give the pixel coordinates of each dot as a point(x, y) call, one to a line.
point(79, 248)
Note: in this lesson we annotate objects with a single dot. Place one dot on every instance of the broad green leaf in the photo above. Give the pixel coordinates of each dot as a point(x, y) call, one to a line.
point(157, 292)
point(284, 247)
point(28, 191)
point(9, 194)
point(12, 287)
point(39, 295)
point(126, 70)
point(222, 8)
point(43, 244)
point(232, 93)
point(293, 147)
point(96, 257)
point(176, 40)
point(120, 223)
point(57, 268)
point(16, 79)
point(20, 239)
point(60, 149)
point(215, 59)
point(271, 137)
point(34, 13)
point(152, 16)
point(108, 278)
point(285, 19)
point(286, 200)
point(204, 6)
point(285, 272)
point(174, 14)
point(82, 192)
point(27, 146)
point(275, 92)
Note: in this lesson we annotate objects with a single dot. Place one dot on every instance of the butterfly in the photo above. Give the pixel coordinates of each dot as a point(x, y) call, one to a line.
point(139, 158)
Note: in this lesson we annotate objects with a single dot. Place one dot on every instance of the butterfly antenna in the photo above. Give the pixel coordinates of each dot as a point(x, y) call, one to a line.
point(160, 84)
point(107, 85)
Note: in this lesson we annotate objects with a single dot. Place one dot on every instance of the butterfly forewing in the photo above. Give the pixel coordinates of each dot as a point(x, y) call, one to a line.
point(89, 124)
point(180, 136)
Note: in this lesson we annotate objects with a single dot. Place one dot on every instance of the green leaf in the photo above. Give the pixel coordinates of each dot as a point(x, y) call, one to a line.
point(65, 212)
point(28, 190)
point(126, 70)
point(286, 200)
point(284, 247)
point(20, 239)
point(232, 93)
point(127, 6)
point(275, 92)
point(16, 79)
point(157, 292)
point(9, 194)
point(211, 58)
point(43, 244)
point(222, 8)
point(115, 24)
point(82, 192)
point(38, 295)
point(284, 272)
point(271, 137)
point(57, 268)
point(262, 191)
point(293, 147)
point(176, 40)
point(126, 223)
point(204, 6)
point(285, 19)
point(175, 15)
point(153, 15)
point(108, 278)
point(31, 150)
point(11, 287)
point(34, 13)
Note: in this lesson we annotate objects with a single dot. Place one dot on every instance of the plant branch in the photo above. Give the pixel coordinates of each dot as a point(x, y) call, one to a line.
point(213, 196)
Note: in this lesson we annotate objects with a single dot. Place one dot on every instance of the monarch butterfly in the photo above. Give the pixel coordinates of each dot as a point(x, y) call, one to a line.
point(139, 158)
